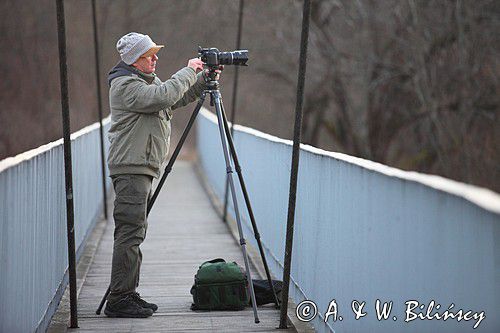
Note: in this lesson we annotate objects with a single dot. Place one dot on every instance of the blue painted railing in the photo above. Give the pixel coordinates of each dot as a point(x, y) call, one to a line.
point(33, 239)
point(367, 232)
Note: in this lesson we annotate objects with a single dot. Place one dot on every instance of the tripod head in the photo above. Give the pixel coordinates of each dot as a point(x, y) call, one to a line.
point(211, 76)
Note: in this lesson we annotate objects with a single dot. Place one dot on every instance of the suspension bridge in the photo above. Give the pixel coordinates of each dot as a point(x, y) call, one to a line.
point(375, 248)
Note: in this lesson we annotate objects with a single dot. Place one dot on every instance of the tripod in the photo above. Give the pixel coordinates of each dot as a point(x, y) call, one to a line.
point(212, 88)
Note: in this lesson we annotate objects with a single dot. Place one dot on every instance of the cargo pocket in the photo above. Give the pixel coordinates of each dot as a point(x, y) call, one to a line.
point(130, 202)
point(131, 209)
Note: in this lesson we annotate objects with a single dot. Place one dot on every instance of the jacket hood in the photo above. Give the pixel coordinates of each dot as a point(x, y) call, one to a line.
point(122, 69)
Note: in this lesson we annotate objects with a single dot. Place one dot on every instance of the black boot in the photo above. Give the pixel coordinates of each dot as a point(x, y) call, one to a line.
point(143, 303)
point(127, 307)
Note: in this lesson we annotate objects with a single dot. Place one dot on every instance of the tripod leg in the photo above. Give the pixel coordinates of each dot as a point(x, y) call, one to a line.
point(224, 214)
point(98, 311)
point(168, 168)
point(247, 201)
point(216, 98)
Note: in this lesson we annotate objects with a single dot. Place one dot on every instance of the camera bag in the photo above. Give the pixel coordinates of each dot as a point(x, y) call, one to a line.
point(219, 285)
point(264, 293)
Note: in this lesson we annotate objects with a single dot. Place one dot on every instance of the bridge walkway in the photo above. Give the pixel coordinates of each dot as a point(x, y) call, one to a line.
point(184, 231)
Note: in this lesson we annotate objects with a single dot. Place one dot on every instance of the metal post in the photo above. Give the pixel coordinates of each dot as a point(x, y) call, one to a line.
point(235, 93)
point(61, 33)
point(295, 162)
point(99, 108)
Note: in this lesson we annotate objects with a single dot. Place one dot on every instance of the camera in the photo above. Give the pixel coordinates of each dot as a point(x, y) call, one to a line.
point(212, 57)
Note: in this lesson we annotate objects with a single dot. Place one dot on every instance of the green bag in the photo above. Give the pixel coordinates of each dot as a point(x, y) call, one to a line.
point(219, 285)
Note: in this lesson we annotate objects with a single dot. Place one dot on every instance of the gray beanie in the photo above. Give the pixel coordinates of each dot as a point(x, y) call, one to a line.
point(133, 45)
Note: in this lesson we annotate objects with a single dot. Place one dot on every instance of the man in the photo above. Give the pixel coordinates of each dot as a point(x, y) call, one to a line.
point(141, 109)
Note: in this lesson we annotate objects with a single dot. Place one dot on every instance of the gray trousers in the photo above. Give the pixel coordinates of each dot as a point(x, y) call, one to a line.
point(132, 192)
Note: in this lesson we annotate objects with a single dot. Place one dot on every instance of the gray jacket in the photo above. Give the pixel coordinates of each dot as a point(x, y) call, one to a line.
point(141, 109)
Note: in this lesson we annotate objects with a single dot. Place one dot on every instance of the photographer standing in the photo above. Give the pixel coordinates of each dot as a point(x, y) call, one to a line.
point(141, 109)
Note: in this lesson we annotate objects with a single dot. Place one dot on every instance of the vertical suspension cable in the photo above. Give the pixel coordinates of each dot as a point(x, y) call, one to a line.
point(235, 94)
point(99, 109)
point(61, 34)
point(295, 162)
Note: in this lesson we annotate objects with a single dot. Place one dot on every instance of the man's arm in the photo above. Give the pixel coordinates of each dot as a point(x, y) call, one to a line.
point(136, 96)
point(193, 93)
point(140, 97)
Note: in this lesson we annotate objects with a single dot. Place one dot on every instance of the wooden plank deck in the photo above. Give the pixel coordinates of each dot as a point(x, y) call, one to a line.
point(184, 231)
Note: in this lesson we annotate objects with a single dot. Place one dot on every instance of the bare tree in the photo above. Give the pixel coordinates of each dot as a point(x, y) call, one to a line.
point(409, 83)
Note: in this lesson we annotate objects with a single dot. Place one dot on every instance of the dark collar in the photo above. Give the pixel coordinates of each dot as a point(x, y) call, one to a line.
point(122, 69)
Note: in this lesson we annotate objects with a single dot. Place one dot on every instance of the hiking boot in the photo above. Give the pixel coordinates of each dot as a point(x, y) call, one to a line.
point(127, 307)
point(143, 303)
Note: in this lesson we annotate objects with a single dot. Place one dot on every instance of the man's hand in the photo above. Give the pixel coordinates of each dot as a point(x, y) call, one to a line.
point(218, 71)
point(196, 64)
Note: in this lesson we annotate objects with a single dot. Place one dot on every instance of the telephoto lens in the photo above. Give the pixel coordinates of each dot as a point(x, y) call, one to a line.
point(238, 58)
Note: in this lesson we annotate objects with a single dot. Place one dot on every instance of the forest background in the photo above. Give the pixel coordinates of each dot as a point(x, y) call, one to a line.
point(409, 83)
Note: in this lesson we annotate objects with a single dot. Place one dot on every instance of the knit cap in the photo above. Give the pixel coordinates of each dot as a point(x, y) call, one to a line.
point(133, 45)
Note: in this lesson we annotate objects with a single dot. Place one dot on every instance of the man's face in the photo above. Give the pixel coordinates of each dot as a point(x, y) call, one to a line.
point(146, 64)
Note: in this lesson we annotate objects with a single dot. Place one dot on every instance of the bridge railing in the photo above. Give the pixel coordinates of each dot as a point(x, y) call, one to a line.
point(33, 239)
point(367, 232)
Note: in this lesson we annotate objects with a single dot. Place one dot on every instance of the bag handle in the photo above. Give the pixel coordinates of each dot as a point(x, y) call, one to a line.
point(216, 260)
point(213, 261)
